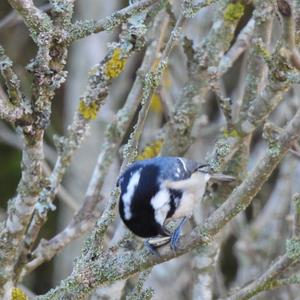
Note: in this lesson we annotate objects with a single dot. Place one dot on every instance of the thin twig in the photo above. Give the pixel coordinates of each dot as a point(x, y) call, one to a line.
point(62, 193)
point(296, 209)
point(115, 133)
point(269, 279)
point(238, 48)
point(12, 106)
point(152, 80)
point(35, 19)
point(122, 265)
point(85, 28)
point(14, 18)
point(14, 140)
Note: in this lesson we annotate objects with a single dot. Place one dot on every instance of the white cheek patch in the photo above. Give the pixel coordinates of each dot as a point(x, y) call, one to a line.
point(161, 205)
point(193, 190)
point(186, 205)
point(127, 197)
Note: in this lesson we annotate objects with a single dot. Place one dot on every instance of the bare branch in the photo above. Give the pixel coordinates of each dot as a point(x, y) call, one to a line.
point(89, 274)
point(62, 193)
point(36, 20)
point(296, 221)
point(265, 281)
point(14, 140)
point(269, 70)
point(83, 221)
point(202, 67)
point(269, 280)
point(46, 80)
point(89, 104)
point(20, 208)
point(12, 109)
point(138, 292)
point(85, 28)
point(239, 47)
point(151, 82)
point(13, 18)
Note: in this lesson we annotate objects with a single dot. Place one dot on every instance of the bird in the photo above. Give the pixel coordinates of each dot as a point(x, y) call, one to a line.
point(157, 190)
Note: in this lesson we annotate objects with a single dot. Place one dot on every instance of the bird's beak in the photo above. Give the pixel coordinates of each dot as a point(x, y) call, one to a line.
point(221, 177)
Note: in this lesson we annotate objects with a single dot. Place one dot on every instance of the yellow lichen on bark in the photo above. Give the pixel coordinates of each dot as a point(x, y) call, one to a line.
point(234, 11)
point(18, 294)
point(115, 65)
point(88, 111)
point(155, 104)
point(150, 151)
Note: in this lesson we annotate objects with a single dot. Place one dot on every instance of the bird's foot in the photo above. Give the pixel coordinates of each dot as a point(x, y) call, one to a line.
point(176, 234)
point(154, 243)
point(151, 248)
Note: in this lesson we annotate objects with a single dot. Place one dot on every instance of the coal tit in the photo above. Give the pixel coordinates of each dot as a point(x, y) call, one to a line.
point(156, 190)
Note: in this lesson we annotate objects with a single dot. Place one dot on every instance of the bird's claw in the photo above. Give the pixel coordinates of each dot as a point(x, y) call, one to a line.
point(176, 235)
point(151, 248)
point(154, 243)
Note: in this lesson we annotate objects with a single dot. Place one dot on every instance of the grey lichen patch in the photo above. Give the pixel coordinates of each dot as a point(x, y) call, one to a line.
point(214, 164)
point(81, 29)
point(152, 80)
point(108, 270)
point(113, 131)
point(12, 82)
point(145, 294)
point(205, 236)
point(280, 66)
point(37, 24)
point(182, 123)
point(190, 9)
point(274, 150)
point(137, 23)
point(293, 248)
point(62, 6)
point(222, 148)
point(130, 150)
point(111, 22)
point(148, 294)
point(263, 13)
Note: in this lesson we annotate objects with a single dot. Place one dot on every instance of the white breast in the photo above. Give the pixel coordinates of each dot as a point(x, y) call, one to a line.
point(161, 205)
point(192, 189)
point(186, 205)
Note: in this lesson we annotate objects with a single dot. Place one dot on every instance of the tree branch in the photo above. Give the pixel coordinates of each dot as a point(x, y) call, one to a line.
point(111, 266)
point(12, 109)
point(85, 28)
point(269, 279)
point(36, 20)
point(100, 79)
